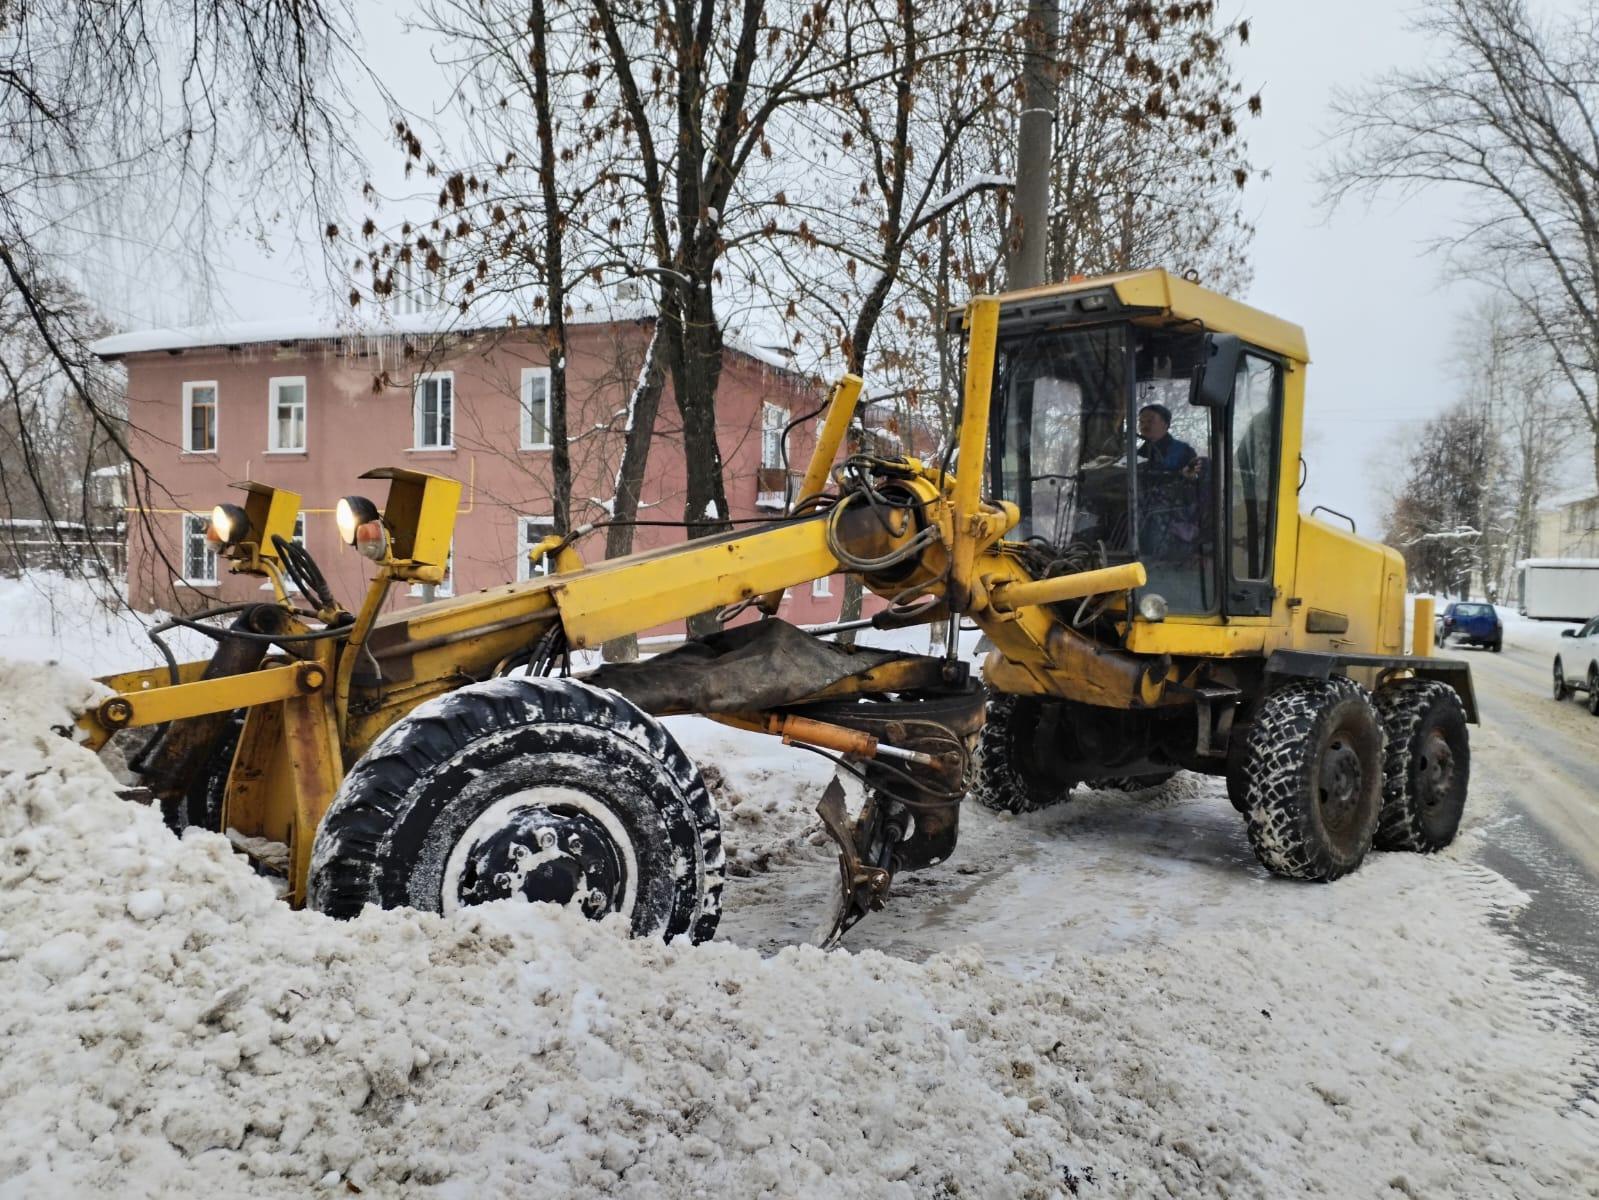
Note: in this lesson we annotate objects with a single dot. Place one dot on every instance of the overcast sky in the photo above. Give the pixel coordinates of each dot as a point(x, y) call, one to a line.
point(1379, 317)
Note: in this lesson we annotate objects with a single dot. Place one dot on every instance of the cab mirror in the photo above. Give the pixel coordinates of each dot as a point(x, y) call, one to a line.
point(1568, 633)
point(1213, 377)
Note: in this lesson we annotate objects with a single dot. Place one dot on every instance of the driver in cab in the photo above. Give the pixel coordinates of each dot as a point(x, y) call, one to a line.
point(1162, 451)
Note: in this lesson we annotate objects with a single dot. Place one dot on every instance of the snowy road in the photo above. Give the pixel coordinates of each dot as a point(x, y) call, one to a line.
point(1106, 870)
point(1540, 760)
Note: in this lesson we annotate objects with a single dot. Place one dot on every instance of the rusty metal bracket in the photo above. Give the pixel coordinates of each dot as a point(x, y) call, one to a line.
point(864, 888)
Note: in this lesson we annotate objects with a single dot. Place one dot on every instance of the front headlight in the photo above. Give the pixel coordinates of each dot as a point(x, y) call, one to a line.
point(1152, 607)
point(361, 526)
point(229, 526)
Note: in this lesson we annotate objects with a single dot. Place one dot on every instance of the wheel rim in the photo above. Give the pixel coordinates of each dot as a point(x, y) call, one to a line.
point(1435, 769)
point(554, 844)
point(1340, 786)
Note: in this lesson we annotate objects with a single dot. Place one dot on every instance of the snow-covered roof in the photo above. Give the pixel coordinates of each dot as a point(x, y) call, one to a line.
point(306, 328)
point(1575, 495)
point(437, 323)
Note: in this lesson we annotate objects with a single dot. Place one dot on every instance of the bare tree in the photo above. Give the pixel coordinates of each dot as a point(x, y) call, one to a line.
point(1440, 512)
point(120, 124)
point(1507, 116)
point(1510, 377)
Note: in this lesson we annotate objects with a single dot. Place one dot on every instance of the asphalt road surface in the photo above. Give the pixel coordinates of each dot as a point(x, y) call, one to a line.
point(1541, 758)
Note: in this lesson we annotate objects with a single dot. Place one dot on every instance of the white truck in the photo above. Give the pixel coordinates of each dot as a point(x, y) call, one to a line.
point(1559, 589)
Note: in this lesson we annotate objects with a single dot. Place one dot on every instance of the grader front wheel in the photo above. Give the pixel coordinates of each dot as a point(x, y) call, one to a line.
point(1312, 778)
point(526, 788)
point(1013, 772)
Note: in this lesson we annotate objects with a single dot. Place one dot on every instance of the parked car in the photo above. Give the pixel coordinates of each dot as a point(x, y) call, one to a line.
point(1577, 665)
point(1475, 624)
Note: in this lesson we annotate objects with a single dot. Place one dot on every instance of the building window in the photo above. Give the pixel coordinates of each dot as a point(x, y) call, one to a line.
point(771, 484)
point(200, 417)
point(822, 587)
point(535, 408)
point(530, 531)
point(446, 586)
point(199, 555)
point(286, 413)
point(435, 412)
point(773, 419)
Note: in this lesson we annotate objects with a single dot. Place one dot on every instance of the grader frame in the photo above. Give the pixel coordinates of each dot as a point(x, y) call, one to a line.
point(335, 681)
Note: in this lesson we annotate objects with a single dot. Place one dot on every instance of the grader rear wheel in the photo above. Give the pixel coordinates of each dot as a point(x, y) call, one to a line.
point(1312, 775)
point(531, 788)
point(1427, 765)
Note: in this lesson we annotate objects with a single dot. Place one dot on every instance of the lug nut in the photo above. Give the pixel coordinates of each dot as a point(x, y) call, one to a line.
point(546, 838)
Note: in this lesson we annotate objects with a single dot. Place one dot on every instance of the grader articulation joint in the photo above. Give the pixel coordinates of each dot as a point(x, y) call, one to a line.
point(1152, 605)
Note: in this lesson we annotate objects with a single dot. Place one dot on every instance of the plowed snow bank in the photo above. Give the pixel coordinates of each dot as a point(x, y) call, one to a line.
point(168, 1028)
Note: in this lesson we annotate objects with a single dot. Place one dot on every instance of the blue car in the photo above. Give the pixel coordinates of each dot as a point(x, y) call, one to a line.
point(1473, 624)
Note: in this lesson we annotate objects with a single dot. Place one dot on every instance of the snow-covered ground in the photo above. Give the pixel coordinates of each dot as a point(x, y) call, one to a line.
point(1106, 999)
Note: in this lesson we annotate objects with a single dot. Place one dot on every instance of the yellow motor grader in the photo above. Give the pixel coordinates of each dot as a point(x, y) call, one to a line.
point(1119, 517)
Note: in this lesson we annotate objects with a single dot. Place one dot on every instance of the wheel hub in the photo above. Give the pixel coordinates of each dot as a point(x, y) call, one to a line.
point(1340, 783)
point(557, 845)
point(1435, 769)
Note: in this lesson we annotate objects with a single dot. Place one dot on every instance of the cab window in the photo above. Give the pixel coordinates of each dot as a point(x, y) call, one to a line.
point(1253, 439)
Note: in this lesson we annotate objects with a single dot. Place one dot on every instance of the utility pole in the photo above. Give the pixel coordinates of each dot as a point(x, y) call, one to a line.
point(1027, 240)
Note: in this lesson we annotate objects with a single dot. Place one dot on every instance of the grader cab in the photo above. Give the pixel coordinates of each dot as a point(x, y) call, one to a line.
point(1151, 606)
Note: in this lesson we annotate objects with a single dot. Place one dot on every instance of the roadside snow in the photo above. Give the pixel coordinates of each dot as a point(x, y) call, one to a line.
point(171, 1028)
point(1110, 1000)
point(85, 625)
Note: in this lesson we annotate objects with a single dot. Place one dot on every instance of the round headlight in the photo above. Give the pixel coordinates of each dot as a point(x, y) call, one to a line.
point(350, 514)
point(229, 525)
point(361, 526)
point(1152, 606)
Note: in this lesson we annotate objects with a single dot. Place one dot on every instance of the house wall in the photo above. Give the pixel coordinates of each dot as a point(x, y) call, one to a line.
point(355, 424)
point(1569, 530)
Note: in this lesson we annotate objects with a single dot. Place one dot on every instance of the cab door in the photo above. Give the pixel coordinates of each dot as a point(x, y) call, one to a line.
point(1254, 459)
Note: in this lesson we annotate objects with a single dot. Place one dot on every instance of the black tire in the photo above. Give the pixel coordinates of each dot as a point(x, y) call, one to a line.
point(1313, 778)
point(1499, 644)
point(1562, 689)
point(1237, 782)
point(1135, 783)
point(549, 789)
point(201, 803)
point(1012, 775)
point(1593, 690)
point(1426, 765)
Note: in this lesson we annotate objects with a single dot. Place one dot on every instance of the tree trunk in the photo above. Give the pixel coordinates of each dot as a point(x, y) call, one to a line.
point(1028, 243)
point(640, 429)
point(695, 353)
point(554, 278)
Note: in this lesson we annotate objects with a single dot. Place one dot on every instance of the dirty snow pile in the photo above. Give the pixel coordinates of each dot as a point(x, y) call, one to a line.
point(169, 1028)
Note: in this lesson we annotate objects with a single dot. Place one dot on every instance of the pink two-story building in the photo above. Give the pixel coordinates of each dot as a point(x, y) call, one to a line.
point(308, 406)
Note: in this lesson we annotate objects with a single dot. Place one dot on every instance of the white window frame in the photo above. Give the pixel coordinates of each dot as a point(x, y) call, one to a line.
point(274, 386)
point(446, 587)
point(189, 388)
point(780, 417)
point(195, 525)
point(525, 408)
point(822, 588)
point(525, 541)
point(417, 385)
point(768, 407)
